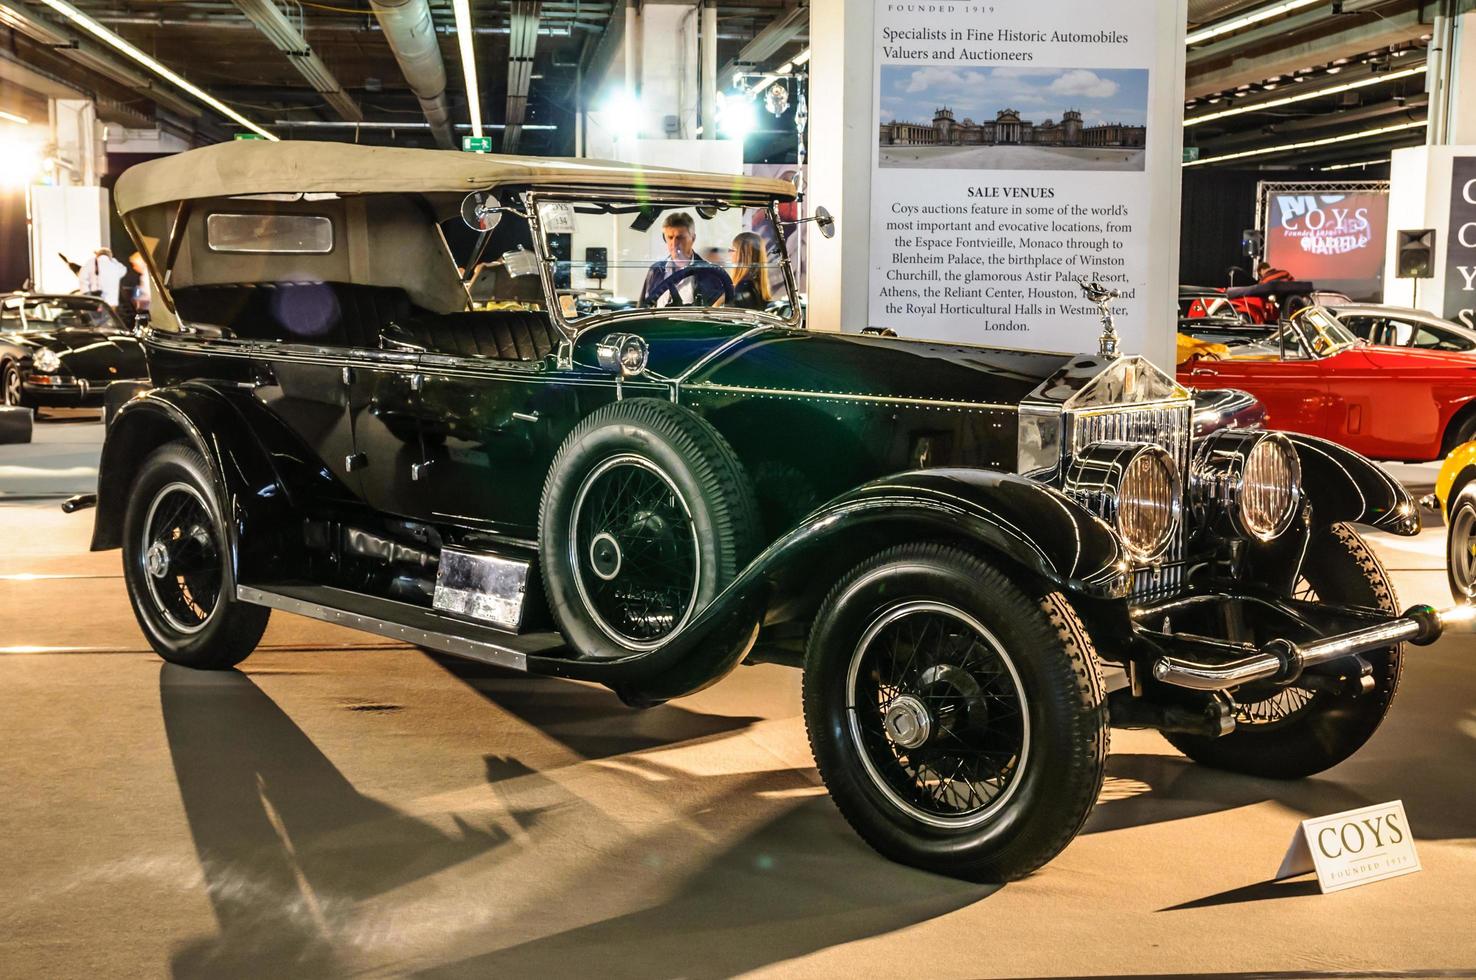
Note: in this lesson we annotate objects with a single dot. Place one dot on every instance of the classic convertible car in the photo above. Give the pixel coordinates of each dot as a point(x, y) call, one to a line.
point(979, 557)
point(1315, 377)
point(63, 350)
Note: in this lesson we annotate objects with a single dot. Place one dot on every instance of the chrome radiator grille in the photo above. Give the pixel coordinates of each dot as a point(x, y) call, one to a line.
point(1168, 427)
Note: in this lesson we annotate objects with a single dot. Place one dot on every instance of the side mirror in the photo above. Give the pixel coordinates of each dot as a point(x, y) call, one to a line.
point(140, 321)
point(481, 211)
point(825, 222)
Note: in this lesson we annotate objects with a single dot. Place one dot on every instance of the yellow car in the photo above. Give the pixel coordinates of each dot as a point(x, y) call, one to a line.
point(1455, 496)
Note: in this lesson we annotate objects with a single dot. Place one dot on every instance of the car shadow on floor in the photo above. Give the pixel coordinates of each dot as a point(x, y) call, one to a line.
point(800, 883)
point(286, 844)
point(588, 719)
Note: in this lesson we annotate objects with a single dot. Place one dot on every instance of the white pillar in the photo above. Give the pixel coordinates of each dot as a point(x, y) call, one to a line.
point(709, 69)
point(841, 141)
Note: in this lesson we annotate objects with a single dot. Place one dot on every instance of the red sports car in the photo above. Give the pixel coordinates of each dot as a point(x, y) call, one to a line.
point(1314, 376)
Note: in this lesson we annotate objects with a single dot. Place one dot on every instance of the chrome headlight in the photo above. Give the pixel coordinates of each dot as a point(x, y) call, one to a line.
point(1251, 478)
point(46, 361)
point(1132, 486)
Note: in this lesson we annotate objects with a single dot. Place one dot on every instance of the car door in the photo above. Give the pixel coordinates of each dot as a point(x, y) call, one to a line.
point(1294, 391)
point(463, 430)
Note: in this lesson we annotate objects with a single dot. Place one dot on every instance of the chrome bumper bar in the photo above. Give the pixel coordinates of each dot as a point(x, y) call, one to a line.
point(1282, 661)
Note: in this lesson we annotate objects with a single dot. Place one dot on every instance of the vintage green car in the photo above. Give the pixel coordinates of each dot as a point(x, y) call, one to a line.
point(499, 407)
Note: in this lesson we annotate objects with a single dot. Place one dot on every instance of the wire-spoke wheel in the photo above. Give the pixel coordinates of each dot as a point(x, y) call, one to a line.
point(182, 557)
point(1292, 732)
point(176, 563)
point(937, 713)
point(646, 516)
point(958, 721)
point(633, 545)
point(1460, 545)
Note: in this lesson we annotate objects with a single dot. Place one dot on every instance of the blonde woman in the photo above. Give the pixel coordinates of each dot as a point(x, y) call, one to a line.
point(750, 271)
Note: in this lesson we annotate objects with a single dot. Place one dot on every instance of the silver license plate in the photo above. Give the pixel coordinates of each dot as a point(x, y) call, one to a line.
point(489, 588)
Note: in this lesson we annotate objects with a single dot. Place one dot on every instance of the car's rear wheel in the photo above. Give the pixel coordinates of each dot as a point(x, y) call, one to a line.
point(176, 563)
point(646, 516)
point(957, 721)
point(1296, 731)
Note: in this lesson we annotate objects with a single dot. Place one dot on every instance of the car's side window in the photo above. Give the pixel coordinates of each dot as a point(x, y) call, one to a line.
point(1440, 340)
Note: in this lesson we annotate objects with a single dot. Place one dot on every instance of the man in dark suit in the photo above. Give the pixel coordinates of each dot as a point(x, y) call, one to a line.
point(701, 288)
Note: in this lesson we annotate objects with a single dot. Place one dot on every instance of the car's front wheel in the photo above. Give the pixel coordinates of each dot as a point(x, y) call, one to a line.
point(1297, 731)
point(957, 721)
point(10, 384)
point(176, 565)
point(1460, 545)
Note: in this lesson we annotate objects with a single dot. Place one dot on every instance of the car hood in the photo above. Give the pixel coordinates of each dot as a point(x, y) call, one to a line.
point(769, 361)
point(88, 353)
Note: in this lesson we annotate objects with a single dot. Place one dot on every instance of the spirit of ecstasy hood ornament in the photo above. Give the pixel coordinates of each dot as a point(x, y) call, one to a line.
point(1103, 297)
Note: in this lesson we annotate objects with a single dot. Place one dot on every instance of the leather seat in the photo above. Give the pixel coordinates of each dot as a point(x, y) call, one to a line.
point(509, 335)
point(334, 313)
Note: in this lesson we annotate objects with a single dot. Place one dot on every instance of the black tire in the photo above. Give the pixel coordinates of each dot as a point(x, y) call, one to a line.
point(190, 617)
point(1460, 431)
point(1460, 545)
point(10, 384)
point(622, 578)
point(1055, 748)
point(1296, 732)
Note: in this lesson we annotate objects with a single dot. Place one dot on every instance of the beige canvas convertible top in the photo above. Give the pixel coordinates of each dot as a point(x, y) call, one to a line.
point(260, 167)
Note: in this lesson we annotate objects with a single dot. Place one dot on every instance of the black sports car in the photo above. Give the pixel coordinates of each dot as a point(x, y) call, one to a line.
point(63, 350)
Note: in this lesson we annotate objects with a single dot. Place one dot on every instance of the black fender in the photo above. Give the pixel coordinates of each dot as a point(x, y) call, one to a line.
point(1018, 522)
point(1346, 487)
point(257, 502)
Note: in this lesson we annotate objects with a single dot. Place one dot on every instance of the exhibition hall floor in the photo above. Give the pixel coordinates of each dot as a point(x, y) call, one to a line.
point(345, 805)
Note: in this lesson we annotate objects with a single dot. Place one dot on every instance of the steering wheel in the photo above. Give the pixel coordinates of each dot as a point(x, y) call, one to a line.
point(669, 284)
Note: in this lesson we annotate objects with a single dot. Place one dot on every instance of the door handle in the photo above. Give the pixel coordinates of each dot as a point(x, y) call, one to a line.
point(1202, 372)
point(525, 416)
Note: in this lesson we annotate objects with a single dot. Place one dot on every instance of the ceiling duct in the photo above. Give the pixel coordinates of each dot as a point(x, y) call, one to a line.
point(411, 33)
point(522, 45)
point(288, 40)
point(786, 27)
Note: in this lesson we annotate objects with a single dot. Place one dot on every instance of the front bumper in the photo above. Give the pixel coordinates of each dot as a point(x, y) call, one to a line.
point(61, 391)
point(1317, 634)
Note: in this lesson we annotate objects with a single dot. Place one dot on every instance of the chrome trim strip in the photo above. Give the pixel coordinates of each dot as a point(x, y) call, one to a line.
point(445, 642)
point(719, 351)
point(848, 397)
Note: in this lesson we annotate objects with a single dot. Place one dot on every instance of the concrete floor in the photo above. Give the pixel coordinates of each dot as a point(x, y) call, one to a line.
point(343, 805)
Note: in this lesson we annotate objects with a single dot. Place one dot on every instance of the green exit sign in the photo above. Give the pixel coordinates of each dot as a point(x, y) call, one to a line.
point(476, 144)
point(1191, 153)
point(250, 136)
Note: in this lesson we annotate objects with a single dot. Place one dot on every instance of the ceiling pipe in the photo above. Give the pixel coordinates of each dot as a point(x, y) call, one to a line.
point(411, 33)
point(522, 46)
point(709, 70)
point(287, 39)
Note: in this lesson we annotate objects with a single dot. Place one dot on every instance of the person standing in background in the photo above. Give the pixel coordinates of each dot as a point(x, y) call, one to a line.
point(101, 275)
point(133, 291)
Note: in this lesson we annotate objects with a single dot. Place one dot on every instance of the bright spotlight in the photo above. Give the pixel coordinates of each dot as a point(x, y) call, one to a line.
point(736, 117)
point(624, 114)
point(20, 163)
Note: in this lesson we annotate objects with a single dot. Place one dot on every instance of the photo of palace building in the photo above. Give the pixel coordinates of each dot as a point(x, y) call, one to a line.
point(1008, 129)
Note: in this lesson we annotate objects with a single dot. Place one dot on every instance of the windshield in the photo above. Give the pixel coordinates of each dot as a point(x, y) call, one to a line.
point(611, 256)
point(56, 312)
point(1310, 333)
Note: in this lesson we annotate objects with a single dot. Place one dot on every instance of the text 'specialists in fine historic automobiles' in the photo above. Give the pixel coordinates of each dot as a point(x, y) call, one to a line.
point(1013, 158)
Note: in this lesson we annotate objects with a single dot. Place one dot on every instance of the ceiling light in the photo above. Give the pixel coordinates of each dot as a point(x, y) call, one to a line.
point(11, 117)
point(735, 117)
point(1362, 163)
point(1308, 144)
point(1335, 69)
point(624, 114)
point(1303, 96)
point(803, 58)
point(117, 43)
point(1254, 17)
point(19, 164)
point(464, 38)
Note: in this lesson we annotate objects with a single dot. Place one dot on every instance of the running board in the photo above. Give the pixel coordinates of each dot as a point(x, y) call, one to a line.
point(402, 621)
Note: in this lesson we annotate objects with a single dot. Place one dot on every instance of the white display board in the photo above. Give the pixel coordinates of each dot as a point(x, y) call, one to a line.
point(1018, 146)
